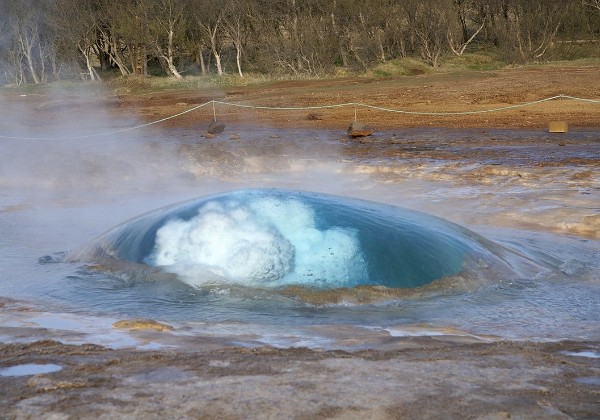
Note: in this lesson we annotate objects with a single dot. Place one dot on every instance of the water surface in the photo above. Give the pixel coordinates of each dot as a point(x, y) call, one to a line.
point(429, 233)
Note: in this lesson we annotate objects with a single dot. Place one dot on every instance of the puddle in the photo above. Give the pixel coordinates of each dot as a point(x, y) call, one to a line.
point(588, 380)
point(586, 353)
point(29, 369)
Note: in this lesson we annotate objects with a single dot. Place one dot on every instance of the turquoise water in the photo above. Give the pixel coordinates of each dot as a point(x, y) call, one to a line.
point(274, 238)
point(96, 231)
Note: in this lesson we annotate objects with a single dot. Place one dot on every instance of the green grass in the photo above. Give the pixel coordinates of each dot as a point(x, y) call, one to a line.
point(450, 63)
point(472, 61)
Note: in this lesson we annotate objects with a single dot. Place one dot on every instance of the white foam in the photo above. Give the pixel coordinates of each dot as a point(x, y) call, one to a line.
point(262, 241)
point(414, 333)
point(425, 331)
point(227, 241)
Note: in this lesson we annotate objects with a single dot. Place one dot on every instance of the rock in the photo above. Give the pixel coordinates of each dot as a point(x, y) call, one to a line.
point(216, 127)
point(142, 324)
point(358, 129)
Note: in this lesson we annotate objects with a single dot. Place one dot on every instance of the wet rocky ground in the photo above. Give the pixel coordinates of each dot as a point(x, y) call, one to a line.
point(430, 378)
point(417, 377)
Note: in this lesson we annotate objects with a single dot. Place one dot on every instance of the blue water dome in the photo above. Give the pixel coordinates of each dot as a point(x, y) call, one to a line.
point(276, 238)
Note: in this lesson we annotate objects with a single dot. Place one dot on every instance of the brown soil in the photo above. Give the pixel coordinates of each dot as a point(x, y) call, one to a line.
point(454, 92)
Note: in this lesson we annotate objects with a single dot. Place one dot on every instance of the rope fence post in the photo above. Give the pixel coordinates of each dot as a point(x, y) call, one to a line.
point(561, 125)
point(215, 126)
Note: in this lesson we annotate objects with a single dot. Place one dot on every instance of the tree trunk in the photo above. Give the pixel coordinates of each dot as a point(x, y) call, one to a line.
point(104, 60)
point(218, 62)
point(336, 32)
point(27, 51)
point(169, 57)
point(118, 59)
point(85, 51)
point(238, 58)
point(138, 59)
point(173, 69)
point(459, 50)
point(215, 51)
point(203, 68)
point(380, 46)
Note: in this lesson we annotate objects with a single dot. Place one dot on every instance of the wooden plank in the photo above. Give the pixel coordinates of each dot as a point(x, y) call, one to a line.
point(558, 127)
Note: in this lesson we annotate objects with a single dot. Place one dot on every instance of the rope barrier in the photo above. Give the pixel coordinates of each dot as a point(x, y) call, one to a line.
point(575, 98)
point(108, 133)
point(310, 108)
point(285, 108)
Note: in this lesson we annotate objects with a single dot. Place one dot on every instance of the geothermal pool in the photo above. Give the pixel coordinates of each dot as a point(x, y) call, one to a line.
point(302, 237)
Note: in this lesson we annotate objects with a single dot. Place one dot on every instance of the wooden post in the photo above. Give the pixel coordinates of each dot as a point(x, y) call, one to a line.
point(558, 127)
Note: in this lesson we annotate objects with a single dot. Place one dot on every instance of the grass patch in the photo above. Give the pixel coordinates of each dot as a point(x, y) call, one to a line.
point(137, 85)
point(449, 64)
point(472, 61)
point(399, 67)
point(576, 50)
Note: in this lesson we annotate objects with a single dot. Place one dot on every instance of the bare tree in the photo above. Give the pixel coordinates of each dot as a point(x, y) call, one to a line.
point(463, 18)
point(535, 24)
point(112, 46)
point(594, 4)
point(24, 26)
point(208, 18)
point(300, 37)
point(76, 21)
point(237, 24)
point(428, 20)
point(127, 34)
point(166, 25)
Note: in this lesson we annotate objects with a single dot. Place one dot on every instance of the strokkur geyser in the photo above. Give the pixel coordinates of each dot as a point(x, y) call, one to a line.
point(277, 238)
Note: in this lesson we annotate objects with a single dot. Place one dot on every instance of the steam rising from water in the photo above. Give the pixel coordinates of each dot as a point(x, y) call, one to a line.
point(53, 194)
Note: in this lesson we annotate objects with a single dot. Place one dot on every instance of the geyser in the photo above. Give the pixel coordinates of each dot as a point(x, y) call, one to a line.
point(277, 238)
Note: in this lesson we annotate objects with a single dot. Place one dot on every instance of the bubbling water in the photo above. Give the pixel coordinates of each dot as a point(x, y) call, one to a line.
point(264, 240)
point(279, 238)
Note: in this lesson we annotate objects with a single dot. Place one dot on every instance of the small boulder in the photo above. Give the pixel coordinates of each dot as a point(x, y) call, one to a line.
point(216, 127)
point(142, 324)
point(358, 129)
